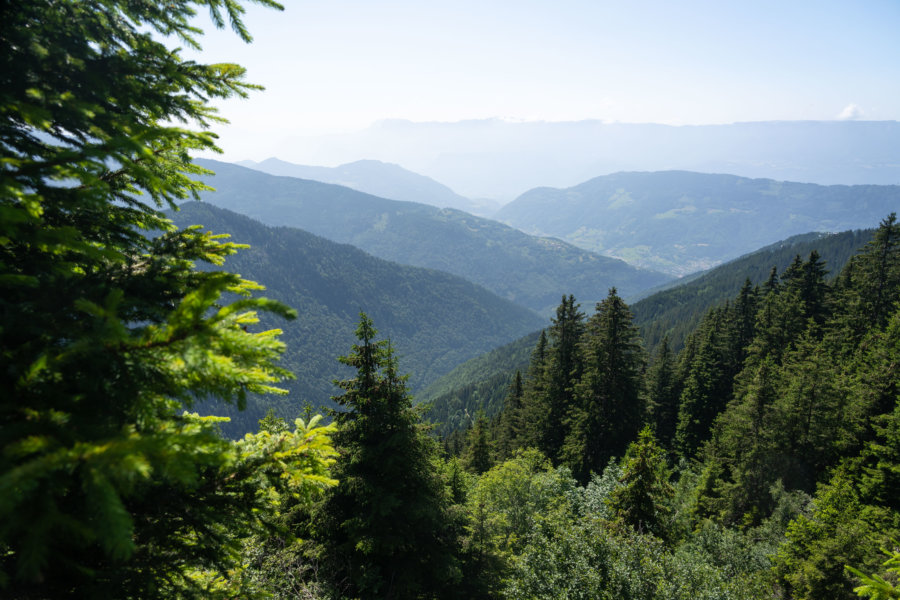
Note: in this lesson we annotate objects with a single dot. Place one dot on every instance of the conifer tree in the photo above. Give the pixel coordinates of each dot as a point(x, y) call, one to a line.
point(609, 407)
point(876, 279)
point(107, 329)
point(707, 388)
point(563, 369)
point(642, 498)
point(509, 436)
point(477, 457)
point(384, 529)
point(533, 409)
point(663, 395)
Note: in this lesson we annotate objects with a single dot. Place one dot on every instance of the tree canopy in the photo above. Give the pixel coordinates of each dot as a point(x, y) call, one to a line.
point(107, 328)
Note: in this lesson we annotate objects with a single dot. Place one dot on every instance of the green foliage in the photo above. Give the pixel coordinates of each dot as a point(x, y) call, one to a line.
point(515, 494)
point(608, 410)
point(436, 320)
point(107, 328)
point(385, 530)
point(642, 498)
point(587, 559)
point(875, 587)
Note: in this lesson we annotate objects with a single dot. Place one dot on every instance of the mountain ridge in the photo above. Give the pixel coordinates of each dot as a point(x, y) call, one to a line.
point(533, 272)
point(682, 221)
point(379, 178)
point(434, 320)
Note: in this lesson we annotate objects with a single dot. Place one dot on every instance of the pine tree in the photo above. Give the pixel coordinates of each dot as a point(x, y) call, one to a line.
point(107, 329)
point(510, 429)
point(609, 407)
point(384, 529)
point(562, 371)
point(642, 498)
point(663, 395)
point(477, 456)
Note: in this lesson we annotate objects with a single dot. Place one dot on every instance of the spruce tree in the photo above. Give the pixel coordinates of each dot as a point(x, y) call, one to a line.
point(707, 388)
point(663, 395)
point(107, 329)
point(384, 530)
point(609, 408)
point(533, 410)
point(563, 369)
point(642, 498)
point(510, 430)
point(477, 456)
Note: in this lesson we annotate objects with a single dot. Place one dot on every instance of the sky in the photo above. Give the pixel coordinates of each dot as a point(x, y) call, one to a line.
point(337, 66)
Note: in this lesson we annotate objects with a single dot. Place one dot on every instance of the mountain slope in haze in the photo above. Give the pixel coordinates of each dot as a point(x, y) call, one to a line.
point(482, 382)
point(680, 222)
point(479, 384)
point(434, 320)
point(678, 310)
point(379, 179)
point(533, 272)
point(501, 159)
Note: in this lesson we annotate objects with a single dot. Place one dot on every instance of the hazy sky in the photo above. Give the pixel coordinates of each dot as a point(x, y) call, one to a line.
point(340, 65)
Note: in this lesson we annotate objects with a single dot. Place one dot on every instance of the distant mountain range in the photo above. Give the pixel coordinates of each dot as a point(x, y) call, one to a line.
point(680, 222)
point(532, 271)
point(434, 320)
point(379, 179)
point(499, 159)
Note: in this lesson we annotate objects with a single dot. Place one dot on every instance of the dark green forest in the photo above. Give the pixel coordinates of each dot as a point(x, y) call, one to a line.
point(758, 459)
point(435, 320)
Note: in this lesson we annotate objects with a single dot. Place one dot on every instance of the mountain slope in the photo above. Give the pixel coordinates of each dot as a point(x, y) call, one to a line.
point(533, 272)
point(381, 179)
point(434, 320)
point(678, 310)
point(681, 222)
point(481, 383)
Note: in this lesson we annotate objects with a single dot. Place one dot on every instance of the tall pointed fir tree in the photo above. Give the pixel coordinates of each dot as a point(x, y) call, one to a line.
point(707, 387)
point(384, 530)
point(663, 394)
point(533, 411)
point(875, 280)
point(509, 430)
point(107, 329)
point(609, 408)
point(563, 369)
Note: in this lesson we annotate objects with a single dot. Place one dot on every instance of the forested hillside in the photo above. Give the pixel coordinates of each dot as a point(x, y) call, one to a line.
point(673, 312)
point(436, 320)
point(769, 443)
point(479, 385)
point(530, 271)
point(759, 462)
point(677, 311)
point(681, 222)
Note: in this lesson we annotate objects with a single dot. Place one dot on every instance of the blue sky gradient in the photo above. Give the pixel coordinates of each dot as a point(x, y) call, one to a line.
point(340, 65)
